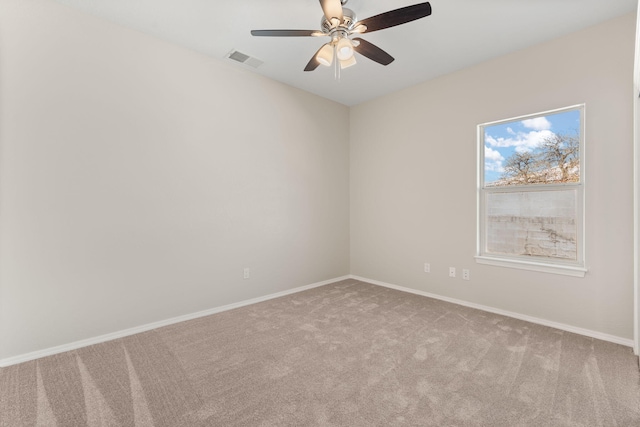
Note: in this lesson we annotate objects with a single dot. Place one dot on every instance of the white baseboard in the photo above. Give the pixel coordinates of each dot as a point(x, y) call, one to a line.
point(143, 328)
point(580, 331)
point(149, 326)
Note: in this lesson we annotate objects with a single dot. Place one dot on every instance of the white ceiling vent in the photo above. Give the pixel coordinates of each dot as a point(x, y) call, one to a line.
point(244, 59)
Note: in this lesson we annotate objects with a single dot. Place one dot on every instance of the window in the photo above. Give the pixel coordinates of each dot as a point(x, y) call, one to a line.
point(531, 192)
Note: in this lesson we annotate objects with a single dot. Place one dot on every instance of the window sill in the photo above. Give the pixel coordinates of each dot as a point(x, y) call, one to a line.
point(567, 270)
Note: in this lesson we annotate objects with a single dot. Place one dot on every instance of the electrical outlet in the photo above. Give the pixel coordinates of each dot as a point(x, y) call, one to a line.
point(465, 274)
point(452, 272)
point(427, 267)
point(247, 273)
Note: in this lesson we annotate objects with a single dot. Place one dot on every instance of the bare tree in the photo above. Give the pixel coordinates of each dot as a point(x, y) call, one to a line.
point(556, 159)
point(521, 167)
point(562, 152)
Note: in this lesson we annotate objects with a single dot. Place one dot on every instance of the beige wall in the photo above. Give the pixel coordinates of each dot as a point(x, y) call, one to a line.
point(413, 179)
point(636, 194)
point(137, 179)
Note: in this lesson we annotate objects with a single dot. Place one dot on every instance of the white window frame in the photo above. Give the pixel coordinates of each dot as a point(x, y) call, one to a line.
point(566, 267)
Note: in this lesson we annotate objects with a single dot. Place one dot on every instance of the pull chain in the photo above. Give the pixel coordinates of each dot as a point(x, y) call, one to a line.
point(336, 62)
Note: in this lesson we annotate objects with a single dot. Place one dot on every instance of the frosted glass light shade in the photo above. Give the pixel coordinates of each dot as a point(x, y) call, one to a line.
point(345, 49)
point(325, 55)
point(346, 63)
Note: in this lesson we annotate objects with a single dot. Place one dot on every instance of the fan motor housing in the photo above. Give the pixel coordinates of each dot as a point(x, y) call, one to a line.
point(348, 19)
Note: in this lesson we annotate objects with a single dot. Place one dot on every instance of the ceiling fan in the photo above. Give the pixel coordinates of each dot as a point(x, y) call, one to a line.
point(340, 24)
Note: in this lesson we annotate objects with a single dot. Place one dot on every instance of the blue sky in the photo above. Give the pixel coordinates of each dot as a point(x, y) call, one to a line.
point(502, 140)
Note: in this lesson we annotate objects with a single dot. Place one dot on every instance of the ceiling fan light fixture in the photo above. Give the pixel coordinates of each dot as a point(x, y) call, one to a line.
point(339, 23)
point(325, 55)
point(345, 49)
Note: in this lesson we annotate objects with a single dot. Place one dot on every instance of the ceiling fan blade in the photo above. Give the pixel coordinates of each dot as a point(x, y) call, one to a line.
point(313, 63)
point(284, 33)
point(373, 52)
point(396, 17)
point(332, 9)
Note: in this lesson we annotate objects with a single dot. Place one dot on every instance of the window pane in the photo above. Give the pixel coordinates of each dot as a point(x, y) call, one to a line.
point(532, 223)
point(538, 150)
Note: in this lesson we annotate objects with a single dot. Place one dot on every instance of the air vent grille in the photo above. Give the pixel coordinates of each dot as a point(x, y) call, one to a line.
point(244, 59)
point(238, 56)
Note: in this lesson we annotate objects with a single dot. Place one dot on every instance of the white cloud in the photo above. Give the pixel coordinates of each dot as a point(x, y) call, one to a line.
point(511, 131)
point(493, 160)
point(522, 141)
point(492, 154)
point(539, 123)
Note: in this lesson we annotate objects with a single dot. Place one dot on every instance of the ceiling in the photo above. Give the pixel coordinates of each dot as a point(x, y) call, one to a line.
point(458, 34)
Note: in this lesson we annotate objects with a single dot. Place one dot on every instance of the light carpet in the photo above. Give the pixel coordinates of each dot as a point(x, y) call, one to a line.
point(344, 354)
